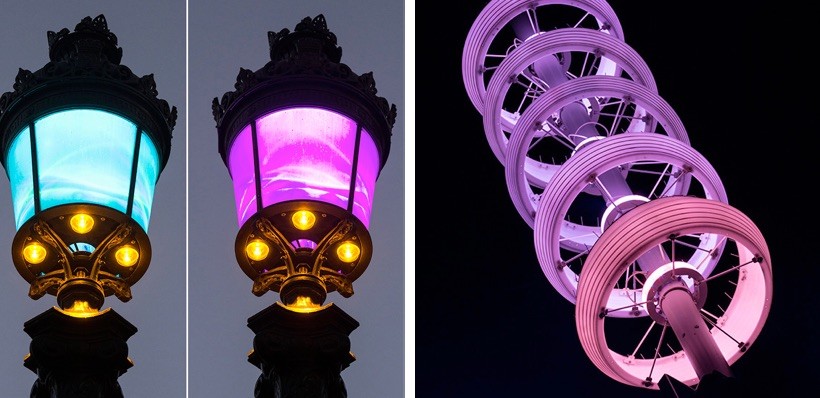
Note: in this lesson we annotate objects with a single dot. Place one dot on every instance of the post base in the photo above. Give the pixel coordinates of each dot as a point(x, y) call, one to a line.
point(301, 354)
point(78, 357)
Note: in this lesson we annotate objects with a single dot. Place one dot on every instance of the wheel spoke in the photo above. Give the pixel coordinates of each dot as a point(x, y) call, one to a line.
point(672, 183)
point(575, 257)
point(719, 274)
point(608, 310)
point(672, 239)
point(581, 20)
point(721, 329)
point(640, 343)
point(657, 350)
point(603, 190)
point(617, 117)
point(712, 252)
point(524, 99)
point(559, 134)
point(533, 20)
point(709, 313)
point(658, 182)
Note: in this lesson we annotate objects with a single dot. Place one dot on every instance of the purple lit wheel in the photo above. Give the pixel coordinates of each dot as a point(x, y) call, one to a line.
point(478, 60)
point(583, 51)
point(530, 140)
point(638, 351)
point(649, 166)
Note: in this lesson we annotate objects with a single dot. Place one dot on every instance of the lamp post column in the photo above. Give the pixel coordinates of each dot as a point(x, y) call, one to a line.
point(78, 357)
point(301, 354)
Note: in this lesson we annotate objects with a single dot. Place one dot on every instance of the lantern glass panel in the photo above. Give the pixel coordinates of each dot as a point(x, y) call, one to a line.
point(18, 166)
point(241, 166)
point(147, 175)
point(84, 156)
point(367, 171)
point(304, 154)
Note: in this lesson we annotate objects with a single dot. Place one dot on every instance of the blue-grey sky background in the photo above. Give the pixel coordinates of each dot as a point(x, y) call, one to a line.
point(152, 35)
point(224, 36)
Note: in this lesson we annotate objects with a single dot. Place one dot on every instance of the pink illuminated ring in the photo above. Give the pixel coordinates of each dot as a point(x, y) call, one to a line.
point(736, 317)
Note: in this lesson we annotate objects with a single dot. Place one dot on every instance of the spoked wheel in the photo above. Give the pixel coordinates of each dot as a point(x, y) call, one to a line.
point(544, 132)
point(503, 25)
point(604, 180)
point(549, 59)
point(638, 351)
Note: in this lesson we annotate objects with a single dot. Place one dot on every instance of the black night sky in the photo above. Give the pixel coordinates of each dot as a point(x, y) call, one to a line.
point(489, 324)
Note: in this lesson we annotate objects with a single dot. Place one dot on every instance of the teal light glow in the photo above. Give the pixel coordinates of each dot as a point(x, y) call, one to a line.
point(20, 177)
point(83, 156)
point(147, 175)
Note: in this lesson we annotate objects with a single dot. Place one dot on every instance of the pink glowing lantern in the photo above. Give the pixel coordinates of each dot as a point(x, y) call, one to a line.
point(304, 154)
point(304, 139)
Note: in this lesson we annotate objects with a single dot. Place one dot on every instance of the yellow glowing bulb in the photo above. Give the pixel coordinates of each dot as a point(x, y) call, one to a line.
point(348, 252)
point(34, 253)
point(303, 220)
point(81, 223)
point(127, 256)
point(257, 250)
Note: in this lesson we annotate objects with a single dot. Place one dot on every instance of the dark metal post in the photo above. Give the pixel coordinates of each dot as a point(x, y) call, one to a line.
point(301, 354)
point(78, 357)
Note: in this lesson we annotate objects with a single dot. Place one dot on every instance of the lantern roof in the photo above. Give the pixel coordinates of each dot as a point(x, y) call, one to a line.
point(84, 71)
point(305, 70)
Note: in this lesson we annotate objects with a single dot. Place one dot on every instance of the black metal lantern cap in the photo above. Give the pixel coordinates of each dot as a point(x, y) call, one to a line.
point(84, 71)
point(304, 71)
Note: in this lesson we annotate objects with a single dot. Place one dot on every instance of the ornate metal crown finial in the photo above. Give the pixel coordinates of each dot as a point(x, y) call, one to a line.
point(89, 36)
point(309, 50)
point(87, 60)
point(310, 36)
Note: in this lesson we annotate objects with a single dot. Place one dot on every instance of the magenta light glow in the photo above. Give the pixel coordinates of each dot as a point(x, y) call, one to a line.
point(304, 154)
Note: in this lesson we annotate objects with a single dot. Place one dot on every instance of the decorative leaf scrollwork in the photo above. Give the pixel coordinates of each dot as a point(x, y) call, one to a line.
point(266, 282)
point(40, 286)
point(119, 235)
point(342, 284)
point(271, 233)
point(120, 288)
point(43, 230)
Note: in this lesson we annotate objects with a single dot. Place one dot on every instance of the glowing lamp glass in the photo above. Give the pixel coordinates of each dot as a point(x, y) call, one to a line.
point(82, 156)
point(304, 154)
point(81, 223)
point(303, 220)
point(348, 252)
point(126, 256)
point(257, 250)
point(34, 253)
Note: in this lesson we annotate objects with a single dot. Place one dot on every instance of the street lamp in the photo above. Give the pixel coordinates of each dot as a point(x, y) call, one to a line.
point(83, 143)
point(304, 139)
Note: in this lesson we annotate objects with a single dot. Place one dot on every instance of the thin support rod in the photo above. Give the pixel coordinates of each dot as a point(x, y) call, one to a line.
point(256, 171)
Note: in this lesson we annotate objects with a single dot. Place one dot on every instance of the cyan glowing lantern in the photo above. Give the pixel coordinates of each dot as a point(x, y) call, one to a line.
point(82, 156)
point(83, 142)
point(304, 139)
